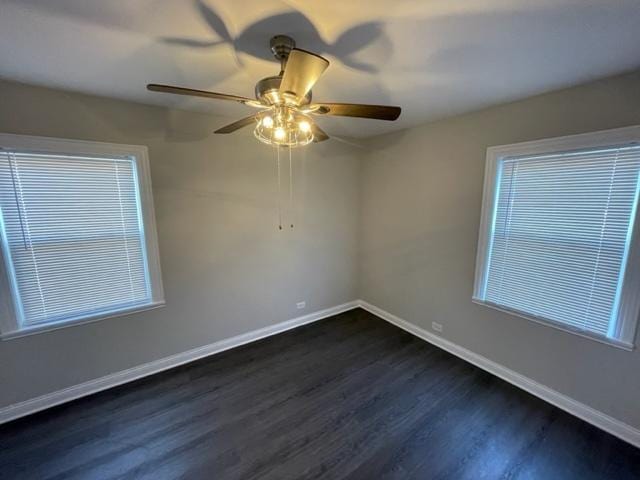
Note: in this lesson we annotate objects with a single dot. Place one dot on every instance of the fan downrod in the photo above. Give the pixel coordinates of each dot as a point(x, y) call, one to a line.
point(281, 46)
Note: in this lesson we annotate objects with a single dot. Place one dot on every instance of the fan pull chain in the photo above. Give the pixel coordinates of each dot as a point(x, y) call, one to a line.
point(291, 206)
point(279, 189)
point(302, 169)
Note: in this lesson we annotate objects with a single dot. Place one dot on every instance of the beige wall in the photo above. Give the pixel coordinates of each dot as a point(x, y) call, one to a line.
point(226, 267)
point(421, 201)
point(403, 223)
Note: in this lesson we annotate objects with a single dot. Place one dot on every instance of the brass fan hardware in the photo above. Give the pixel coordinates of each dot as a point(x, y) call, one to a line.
point(286, 107)
point(285, 100)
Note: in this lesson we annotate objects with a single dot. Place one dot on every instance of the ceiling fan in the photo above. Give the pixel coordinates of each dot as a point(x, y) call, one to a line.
point(285, 100)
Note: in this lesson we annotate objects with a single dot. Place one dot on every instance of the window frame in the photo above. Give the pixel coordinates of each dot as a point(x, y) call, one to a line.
point(629, 306)
point(10, 326)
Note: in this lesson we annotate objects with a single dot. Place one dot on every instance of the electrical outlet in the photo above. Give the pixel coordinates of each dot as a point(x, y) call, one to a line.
point(301, 305)
point(436, 326)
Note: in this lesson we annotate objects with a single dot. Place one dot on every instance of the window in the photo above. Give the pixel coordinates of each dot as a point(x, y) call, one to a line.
point(557, 242)
point(77, 231)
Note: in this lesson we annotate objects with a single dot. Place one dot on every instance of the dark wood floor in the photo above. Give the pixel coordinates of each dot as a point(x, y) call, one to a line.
point(351, 397)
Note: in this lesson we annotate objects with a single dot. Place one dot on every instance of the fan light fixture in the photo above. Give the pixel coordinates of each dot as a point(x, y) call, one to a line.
point(285, 100)
point(285, 104)
point(283, 126)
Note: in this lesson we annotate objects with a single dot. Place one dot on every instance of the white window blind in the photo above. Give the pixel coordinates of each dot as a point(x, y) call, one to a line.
point(72, 234)
point(560, 235)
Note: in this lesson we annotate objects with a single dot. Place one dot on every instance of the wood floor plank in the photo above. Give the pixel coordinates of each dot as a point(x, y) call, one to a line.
point(350, 397)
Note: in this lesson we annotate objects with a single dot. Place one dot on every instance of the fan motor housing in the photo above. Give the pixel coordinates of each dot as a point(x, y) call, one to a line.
point(268, 91)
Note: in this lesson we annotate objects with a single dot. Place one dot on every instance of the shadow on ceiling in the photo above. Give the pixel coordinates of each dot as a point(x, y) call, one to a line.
point(254, 40)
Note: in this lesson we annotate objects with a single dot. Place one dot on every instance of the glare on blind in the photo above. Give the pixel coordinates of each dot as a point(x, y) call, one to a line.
point(72, 234)
point(560, 235)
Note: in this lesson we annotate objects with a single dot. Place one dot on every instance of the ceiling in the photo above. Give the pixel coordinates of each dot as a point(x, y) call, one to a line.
point(434, 58)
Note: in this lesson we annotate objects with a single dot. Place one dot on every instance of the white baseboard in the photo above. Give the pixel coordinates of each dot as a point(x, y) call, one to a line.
point(580, 410)
point(48, 400)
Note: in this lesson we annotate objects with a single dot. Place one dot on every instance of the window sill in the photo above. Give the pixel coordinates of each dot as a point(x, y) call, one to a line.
point(35, 329)
point(559, 326)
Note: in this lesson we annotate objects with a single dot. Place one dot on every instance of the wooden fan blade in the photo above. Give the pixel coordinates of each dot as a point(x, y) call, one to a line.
point(232, 127)
point(319, 135)
point(302, 71)
point(154, 87)
point(378, 112)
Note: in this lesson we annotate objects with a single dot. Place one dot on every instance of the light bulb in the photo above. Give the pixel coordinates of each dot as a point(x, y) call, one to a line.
point(304, 126)
point(279, 133)
point(267, 122)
